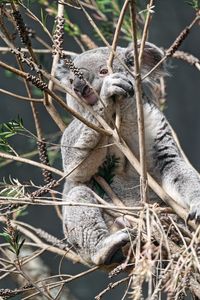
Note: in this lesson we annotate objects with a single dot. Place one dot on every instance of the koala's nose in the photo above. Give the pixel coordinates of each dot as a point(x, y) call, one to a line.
point(79, 85)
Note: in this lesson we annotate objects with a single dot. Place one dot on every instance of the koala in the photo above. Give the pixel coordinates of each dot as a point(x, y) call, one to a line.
point(85, 150)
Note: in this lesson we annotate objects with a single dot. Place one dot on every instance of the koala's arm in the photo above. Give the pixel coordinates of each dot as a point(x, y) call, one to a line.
point(84, 147)
point(82, 151)
point(180, 180)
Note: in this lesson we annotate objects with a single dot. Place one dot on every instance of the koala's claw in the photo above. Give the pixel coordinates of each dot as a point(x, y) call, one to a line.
point(194, 213)
point(126, 90)
point(110, 249)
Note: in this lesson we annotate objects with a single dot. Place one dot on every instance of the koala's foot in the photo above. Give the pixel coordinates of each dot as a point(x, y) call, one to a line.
point(109, 250)
point(194, 213)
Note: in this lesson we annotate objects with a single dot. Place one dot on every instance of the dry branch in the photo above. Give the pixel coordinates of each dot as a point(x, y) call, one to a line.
point(139, 105)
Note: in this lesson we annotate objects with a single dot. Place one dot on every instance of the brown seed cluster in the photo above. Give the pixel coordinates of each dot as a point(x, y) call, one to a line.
point(58, 39)
point(22, 28)
point(45, 189)
point(24, 59)
point(178, 42)
point(9, 228)
point(45, 160)
point(8, 293)
point(37, 82)
point(74, 69)
point(58, 36)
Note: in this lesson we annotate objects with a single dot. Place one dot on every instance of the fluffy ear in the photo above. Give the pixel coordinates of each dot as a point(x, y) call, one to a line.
point(151, 56)
point(63, 68)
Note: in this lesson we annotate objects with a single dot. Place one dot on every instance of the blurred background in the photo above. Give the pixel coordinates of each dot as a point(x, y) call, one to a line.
point(182, 110)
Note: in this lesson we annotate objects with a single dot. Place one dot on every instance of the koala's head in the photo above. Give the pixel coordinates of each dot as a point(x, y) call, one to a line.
point(92, 66)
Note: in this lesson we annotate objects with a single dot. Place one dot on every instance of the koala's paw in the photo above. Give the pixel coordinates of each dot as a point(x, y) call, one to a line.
point(109, 250)
point(194, 213)
point(116, 85)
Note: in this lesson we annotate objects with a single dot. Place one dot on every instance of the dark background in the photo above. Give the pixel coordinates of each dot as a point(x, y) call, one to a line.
point(182, 110)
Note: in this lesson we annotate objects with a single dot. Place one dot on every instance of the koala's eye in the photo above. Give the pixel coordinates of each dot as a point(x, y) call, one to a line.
point(71, 81)
point(130, 61)
point(103, 71)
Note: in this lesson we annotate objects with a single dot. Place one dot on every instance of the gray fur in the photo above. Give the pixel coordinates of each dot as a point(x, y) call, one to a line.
point(86, 228)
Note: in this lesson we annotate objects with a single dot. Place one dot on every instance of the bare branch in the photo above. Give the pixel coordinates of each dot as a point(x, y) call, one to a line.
point(139, 104)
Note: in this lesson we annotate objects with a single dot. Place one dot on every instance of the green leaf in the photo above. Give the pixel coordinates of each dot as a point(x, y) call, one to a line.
point(22, 212)
point(194, 3)
point(72, 29)
point(105, 5)
point(37, 92)
point(20, 246)
point(17, 237)
point(43, 17)
point(53, 155)
point(5, 147)
point(6, 237)
point(8, 73)
point(107, 171)
point(11, 128)
point(6, 135)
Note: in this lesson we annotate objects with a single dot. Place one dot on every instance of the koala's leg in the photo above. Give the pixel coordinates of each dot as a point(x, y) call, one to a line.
point(178, 178)
point(86, 230)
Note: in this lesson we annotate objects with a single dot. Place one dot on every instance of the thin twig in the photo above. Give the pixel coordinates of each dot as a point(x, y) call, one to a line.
point(116, 35)
point(189, 58)
point(35, 18)
point(22, 228)
point(38, 51)
point(111, 58)
point(31, 162)
point(101, 181)
point(21, 97)
point(55, 284)
point(96, 28)
point(56, 57)
point(175, 45)
point(111, 286)
point(145, 31)
point(139, 105)
point(59, 202)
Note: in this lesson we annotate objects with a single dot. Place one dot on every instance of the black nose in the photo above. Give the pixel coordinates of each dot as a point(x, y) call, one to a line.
point(131, 93)
point(79, 85)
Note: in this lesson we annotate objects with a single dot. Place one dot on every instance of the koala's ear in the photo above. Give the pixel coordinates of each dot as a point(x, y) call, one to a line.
point(63, 70)
point(151, 56)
